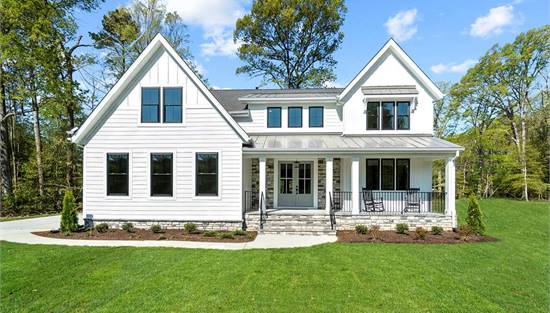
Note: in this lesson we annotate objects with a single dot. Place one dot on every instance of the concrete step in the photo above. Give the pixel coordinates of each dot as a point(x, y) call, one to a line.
point(304, 233)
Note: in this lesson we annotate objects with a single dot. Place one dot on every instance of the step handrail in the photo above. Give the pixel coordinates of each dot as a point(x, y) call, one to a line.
point(263, 211)
point(331, 212)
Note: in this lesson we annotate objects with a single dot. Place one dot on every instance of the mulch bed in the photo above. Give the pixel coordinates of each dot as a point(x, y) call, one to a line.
point(146, 234)
point(391, 236)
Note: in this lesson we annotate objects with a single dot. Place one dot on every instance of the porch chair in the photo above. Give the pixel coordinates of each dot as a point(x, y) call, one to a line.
point(371, 205)
point(412, 200)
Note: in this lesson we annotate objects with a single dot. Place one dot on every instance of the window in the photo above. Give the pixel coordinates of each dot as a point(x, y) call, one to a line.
point(315, 116)
point(206, 167)
point(285, 178)
point(304, 178)
point(295, 117)
point(387, 174)
point(117, 174)
point(373, 174)
point(402, 173)
point(274, 117)
point(150, 105)
point(403, 115)
point(387, 115)
point(373, 116)
point(172, 105)
point(161, 174)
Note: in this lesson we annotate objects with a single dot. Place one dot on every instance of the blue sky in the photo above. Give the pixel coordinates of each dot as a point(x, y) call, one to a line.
point(444, 37)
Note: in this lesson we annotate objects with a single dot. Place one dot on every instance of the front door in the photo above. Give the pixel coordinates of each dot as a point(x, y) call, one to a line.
point(295, 184)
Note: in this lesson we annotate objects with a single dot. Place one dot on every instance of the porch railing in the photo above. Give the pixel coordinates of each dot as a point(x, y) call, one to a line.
point(342, 201)
point(251, 201)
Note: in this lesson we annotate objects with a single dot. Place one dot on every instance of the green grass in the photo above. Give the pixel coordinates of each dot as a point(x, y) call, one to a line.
point(510, 275)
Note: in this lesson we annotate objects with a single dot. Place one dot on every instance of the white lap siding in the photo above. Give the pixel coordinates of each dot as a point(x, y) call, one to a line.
point(204, 130)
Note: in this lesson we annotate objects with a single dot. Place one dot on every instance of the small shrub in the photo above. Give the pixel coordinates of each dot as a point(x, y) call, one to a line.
point(155, 228)
point(102, 227)
point(474, 217)
point(226, 235)
point(436, 230)
point(465, 230)
point(420, 233)
point(210, 233)
point(239, 232)
point(402, 228)
point(190, 228)
point(375, 232)
point(129, 227)
point(69, 217)
point(361, 229)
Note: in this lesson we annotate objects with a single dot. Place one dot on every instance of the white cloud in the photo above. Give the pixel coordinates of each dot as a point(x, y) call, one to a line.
point(402, 25)
point(493, 22)
point(453, 67)
point(216, 18)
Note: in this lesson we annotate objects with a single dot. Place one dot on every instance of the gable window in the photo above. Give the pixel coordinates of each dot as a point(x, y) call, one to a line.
point(117, 174)
point(402, 174)
point(150, 105)
point(316, 117)
point(274, 117)
point(295, 117)
point(373, 174)
point(387, 174)
point(403, 115)
point(388, 115)
point(206, 179)
point(172, 105)
point(161, 174)
point(373, 115)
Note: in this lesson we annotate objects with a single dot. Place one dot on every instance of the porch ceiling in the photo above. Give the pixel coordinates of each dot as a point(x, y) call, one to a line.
point(338, 143)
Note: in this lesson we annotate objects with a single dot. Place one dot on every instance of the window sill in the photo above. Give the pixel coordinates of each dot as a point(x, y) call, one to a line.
point(195, 197)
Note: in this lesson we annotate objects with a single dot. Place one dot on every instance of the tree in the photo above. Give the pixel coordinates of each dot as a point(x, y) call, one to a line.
point(69, 217)
point(290, 42)
point(474, 217)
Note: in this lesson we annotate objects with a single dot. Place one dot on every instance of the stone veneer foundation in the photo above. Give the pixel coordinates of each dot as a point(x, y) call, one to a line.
point(346, 221)
point(202, 225)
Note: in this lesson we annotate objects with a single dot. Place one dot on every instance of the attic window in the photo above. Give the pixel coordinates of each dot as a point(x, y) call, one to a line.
point(150, 105)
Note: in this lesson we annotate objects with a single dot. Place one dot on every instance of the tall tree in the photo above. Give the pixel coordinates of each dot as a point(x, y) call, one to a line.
point(290, 42)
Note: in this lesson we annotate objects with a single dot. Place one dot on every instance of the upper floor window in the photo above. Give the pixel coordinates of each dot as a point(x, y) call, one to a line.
point(295, 117)
point(172, 105)
point(274, 117)
point(161, 174)
point(117, 174)
point(403, 115)
point(150, 105)
point(206, 179)
point(373, 115)
point(388, 115)
point(315, 116)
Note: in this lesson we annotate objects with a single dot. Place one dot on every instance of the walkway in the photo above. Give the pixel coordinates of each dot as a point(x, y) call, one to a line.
point(20, 231)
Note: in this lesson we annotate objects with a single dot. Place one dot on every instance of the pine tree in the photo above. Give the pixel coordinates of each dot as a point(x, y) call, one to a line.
point(69, 218)
point(474, 218)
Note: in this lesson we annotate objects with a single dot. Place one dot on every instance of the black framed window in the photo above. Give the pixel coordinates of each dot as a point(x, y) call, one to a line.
point(206, 180)
point(387, 173)
point(161, 174)
point(150, 105)
point(274, 117)
point(402, 174)
point(171, 100)
point(295, 117)
point(388, 115)
point(403, 115)
point(373, 174)
point(316, 116)
point(373, 115)
point(117, 174)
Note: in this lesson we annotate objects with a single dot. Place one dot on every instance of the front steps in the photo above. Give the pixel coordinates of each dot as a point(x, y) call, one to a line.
point(291, 223)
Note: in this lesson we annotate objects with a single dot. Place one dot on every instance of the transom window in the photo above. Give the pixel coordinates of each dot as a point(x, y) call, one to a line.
point(295, 117)
point(171, 105)
point(274, 117)
point(117, 174)
point(315, 116)
point(161, 174)
point(206, 167)
point(388, 115)
point(388, 174)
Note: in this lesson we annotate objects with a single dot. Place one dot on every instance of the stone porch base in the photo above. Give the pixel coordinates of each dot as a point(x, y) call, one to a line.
point(388, 222)
point(201, 225)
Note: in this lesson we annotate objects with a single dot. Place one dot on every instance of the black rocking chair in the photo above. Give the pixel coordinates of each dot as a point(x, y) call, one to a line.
point(372, 205)
point(412, 200)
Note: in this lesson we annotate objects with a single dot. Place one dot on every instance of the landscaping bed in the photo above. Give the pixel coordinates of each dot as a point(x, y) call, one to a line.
point(391, 236)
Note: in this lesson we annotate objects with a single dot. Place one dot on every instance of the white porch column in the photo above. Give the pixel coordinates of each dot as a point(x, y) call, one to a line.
point(328, 183)
point(355, 200)
point(450, 189)
point(263, 185)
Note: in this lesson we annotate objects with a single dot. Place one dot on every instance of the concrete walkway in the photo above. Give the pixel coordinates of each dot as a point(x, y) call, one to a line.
point(20, 231)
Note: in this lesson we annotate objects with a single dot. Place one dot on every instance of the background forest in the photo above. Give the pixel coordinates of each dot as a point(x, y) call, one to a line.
point(499, 111)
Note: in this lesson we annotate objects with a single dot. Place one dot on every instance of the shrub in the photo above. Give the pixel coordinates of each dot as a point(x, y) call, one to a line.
point(226, 235)
point(474, 217)
point(69, 217)
point(436, 230)
point(361, 229)
point(102, 227)
point(375, 231)
point(239, 232)
point(465, 230)
point(155, 228)
point(129, 227)
point(420, 233)
point(210, 233)
point(402, 228)
point(190, 228)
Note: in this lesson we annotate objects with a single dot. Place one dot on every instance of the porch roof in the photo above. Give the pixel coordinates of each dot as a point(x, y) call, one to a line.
point(339, 143)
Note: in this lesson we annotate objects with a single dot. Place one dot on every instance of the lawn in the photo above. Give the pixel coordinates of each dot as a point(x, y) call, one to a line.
point(510, 275)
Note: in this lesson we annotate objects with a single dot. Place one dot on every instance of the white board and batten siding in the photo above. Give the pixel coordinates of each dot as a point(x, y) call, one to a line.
point(203, 129)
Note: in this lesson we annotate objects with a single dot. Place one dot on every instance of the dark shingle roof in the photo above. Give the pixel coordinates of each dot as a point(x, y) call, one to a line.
point(229, 98)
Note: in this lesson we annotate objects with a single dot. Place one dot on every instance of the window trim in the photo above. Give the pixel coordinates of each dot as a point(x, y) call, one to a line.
point(106, 178)
point(301, 116)
point(164, 105)
point(378, 115)
point(397, 115)
point(173, 173)
point(408, 176)
point(161, 109)
point(194, 176)
point(322, 116)
point(159, 121)
point(280, 117)
point(197, 194)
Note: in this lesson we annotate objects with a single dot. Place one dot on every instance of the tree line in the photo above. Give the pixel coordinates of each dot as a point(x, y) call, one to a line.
point(51, 78)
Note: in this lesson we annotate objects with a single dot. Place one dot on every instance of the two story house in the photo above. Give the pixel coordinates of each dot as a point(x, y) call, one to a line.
point(163, 148)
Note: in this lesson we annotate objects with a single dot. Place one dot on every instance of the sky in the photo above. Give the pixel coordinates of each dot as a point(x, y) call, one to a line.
point(444, 38)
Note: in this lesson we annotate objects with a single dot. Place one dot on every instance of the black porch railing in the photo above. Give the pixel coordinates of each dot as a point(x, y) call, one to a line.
point(251, 201)
point(342, 201)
